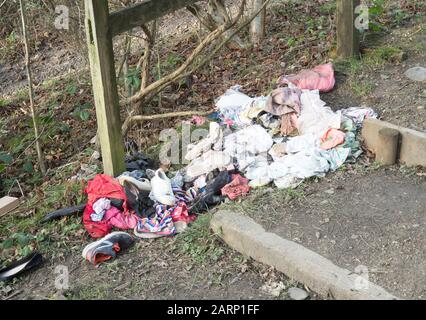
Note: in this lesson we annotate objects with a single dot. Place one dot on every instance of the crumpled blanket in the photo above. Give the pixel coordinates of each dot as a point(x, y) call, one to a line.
point(285, 102)
point(319, 78)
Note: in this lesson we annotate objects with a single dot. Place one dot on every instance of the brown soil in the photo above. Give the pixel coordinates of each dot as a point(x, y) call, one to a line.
point(372, 218)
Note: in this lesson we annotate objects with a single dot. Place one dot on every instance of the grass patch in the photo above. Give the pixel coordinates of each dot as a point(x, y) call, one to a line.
point(264, 204)
point(99, 291)
point(358, 69)
point(21, 231)
point(199, 242)
point(382, 55)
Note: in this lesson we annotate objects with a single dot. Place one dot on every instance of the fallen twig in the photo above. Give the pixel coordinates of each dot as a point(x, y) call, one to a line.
point(133, 119)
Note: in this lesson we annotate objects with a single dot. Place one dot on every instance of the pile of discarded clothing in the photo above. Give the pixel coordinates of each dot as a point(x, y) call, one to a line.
point(282, 138)
point(149, 203)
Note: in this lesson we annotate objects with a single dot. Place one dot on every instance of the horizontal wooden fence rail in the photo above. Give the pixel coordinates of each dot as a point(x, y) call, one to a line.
point(141, 13)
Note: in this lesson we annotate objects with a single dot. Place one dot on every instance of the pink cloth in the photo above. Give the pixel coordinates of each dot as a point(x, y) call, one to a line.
point(118, 219)
point(332, 138)
point(320, 78)
point(180, 213)
point(237, 187)
point(198, 120)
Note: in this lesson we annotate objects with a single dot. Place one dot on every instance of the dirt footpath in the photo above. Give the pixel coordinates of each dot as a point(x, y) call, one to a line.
point(373, 218)
point(167, 268)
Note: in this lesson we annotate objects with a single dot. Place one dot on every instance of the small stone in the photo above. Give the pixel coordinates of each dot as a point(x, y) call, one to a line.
point(318, 234)
point(416, 74)
point(297, 293)
point(6, 290)
point(273, 288)
point(333, 241)
point(420, 107)
point(329, 191)
point(324, 202)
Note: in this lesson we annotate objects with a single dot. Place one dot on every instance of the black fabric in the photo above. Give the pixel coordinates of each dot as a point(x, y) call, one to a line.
point(138, 161)
point(212, 196)
point(118, 203)
point(139, 201)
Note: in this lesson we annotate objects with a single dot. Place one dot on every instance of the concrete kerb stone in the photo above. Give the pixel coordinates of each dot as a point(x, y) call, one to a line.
point(412, 149)
point(297, 262)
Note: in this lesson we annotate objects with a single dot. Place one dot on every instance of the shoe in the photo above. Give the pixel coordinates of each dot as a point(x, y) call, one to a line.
point(162, 189)
point(107, 247)
point(19, 267)
point(142, 184)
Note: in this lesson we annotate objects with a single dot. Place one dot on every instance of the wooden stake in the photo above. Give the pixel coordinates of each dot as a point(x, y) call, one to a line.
point(104, 84)
point(347, 34)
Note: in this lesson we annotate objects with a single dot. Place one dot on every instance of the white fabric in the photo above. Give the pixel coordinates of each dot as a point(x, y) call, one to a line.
point(358, 115)
point(213, 140)
point(315, 117)
point(253, 139)
point(101, 205)
point(300, 143)
point(209, 161)
point(305, 164)
point(232, 103)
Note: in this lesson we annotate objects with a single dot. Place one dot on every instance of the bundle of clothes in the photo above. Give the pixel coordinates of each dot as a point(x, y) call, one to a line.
point(282, 138)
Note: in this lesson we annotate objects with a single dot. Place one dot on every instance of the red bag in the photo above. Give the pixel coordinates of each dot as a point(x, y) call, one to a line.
point(102, 186)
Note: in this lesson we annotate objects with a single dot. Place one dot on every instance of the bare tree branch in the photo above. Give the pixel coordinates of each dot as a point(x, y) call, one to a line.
point(191, 64)
point(31, 90)
point(131, 120)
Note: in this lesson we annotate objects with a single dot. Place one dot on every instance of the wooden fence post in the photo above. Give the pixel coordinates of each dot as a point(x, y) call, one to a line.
point(347, 34)
point(104, 84)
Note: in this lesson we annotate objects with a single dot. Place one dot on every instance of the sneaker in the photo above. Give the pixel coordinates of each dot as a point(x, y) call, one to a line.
point(30, 262)
point(162, 189)
point(107, 247)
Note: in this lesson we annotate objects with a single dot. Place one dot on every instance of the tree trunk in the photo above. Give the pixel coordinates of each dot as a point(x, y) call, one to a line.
point(257, 27)
point(150, 33)
point(31, 90)
point(215, 18)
